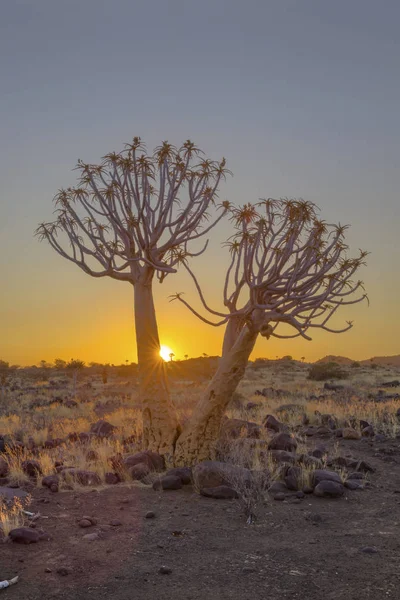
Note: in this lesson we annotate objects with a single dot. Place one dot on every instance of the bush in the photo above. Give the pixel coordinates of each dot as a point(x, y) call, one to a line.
point(325, 371)
point(355, 365)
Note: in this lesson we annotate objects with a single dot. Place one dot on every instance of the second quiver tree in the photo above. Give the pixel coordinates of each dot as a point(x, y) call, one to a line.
point(289, 273)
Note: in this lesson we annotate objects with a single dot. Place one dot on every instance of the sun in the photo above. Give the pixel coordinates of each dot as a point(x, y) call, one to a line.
point(165, 352)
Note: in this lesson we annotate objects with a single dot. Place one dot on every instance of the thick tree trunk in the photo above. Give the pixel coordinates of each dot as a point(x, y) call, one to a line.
point(160, 421)
point(197, 442)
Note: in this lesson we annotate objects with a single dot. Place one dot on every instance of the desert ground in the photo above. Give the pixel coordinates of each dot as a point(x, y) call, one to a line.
point(303, 503)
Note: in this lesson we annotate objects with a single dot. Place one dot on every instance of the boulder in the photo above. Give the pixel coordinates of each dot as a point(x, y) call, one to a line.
point(154, 461)
point(111, 478)
point(293, 478)
point(185, 473)
point(329, 489)
point(282, 456)
point(368, 431)
point(211, 474)
point(236, 428)
point(85, 478)
point(4, 469)
point(353, 484)
point(283, 441)
point(50, 480)
point(102, 429)
point(221, 492)
point(24, 535)
point(139, 471)
point(349, 433)
point(168, 482)
point(32, 468)
point(325, 475)
point(270, 422)
point(277, 487)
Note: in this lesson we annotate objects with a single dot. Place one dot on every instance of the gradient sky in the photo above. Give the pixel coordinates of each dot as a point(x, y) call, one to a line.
point(301, 96)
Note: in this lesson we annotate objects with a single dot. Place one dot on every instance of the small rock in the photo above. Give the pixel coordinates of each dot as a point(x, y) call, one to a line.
point(115, 523)
point(283, 441)
point(85, 523)
point(221, 492)
point(280, 496)
point(351, 434)
point(369, 550)
point(47, 570)
point(353, 484)
point(168, 482)
point(300, 494)
point(329, 489)
point(63, 571)
point(91, 537)
point(139, 471)
point(325, 475)
point(165, 570)
point(248, 569)
point(150, 515)
point(111, 478)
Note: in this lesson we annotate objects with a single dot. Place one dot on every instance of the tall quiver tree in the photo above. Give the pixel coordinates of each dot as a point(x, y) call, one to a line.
point(289, 274)
point(133, 218)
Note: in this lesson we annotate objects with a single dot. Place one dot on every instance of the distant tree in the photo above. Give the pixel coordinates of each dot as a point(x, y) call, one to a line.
point(104, 374)
point(325, 371)
point(303, 358)
point(186, 356)
point(60, 364)
point(171, 356)
point(288, 269)
point(6, 372)
point(355, 365)
point(74, 366)
point(128, 219)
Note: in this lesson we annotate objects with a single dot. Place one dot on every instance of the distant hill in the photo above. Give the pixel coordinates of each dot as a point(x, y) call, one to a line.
point(394, 361)
point(340, 360)
point(378, 360)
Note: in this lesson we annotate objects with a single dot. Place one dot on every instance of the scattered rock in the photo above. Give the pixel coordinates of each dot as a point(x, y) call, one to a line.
point(85, 523)
point(237, 428)
point(24, 535)
point(64, 571)
point(32, 468)
point(115, 523)
point(150, 515)
point(165, 570)
point(111, 478)
point(185, 473)
point(211, 474)
point(349, 433)
point(154, 461)
point(325, 475)
point(102, 429)
point(50, 480)
point(280, 496)
point(85, 478)
point(353, 484)
point(222, 492)
point(139, 472)
point(369, 550)
point(329, 489)
point(270, 422)
point(4, 469)
point(91, 537)
point(168, 482)
point(277, 487)
point(283, 441)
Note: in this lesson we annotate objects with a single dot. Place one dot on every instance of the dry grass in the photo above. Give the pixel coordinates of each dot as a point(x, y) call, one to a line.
point(12, 516)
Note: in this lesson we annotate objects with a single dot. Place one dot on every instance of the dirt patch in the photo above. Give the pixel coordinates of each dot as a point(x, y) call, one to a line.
point(310, 548)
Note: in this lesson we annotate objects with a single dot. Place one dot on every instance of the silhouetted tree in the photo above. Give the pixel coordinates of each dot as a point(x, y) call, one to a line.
point(288, 270)
point(128, 219)
point(75, 366)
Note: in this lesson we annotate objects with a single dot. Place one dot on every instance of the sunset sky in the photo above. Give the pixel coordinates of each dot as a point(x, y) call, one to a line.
point(302, 98)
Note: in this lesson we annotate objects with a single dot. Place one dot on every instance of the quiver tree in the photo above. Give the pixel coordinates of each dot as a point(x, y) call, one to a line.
point(133, 218)
point(289, 273)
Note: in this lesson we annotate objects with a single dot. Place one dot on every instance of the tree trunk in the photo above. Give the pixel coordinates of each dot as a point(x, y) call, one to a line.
point(199, 437)
point(160, 422)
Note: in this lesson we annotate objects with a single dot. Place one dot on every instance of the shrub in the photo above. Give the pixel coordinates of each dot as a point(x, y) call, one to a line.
point(325, 371)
